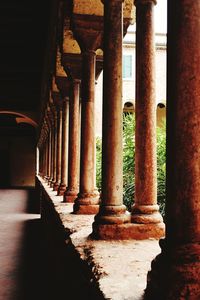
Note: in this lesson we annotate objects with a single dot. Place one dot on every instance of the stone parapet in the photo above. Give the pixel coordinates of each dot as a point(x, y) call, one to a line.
point(113, 269)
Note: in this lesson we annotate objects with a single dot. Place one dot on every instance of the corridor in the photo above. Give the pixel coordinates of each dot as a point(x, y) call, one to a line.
point(23, 269)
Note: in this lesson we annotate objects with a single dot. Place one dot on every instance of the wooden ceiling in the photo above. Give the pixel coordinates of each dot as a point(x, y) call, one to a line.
point(23, 36)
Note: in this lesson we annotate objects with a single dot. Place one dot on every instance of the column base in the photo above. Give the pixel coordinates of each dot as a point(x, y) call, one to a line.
point(114, 222)
point(148, 221)
point(61, 189)
point(86, 204)
point(52, 183)
point(56, 186)
point(127, 231)
point(49, 181)
point(70, 195)
point(111, 223)
point(175, 273)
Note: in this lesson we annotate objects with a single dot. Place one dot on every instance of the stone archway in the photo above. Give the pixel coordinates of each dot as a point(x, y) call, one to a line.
point(20, 118)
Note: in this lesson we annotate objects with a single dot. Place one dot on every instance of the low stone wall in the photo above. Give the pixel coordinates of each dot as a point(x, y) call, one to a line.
point(89, 269)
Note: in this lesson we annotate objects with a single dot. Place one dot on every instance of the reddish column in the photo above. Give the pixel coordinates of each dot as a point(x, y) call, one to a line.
point(88, 197)
point(59, 148)
point(176, 271)
point(112, 211)
point(74, 144)
point(49, 141)
point(64, 156)
point(145, 211)
point(54, 149)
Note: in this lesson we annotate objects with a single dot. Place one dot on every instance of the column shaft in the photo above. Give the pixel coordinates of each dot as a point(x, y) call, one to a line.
point(54, 150)
point(64, 156)
point(74, 144)
point(145, 211)
point(46, 156)
point(112, 211)
point(176, 271)
point(59, 148)
point(88, 198)
point(49, 153)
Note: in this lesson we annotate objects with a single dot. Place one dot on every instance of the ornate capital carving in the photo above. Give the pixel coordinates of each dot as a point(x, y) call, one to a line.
point(88, 31)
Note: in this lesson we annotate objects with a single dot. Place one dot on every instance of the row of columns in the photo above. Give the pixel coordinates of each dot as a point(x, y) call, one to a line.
point(176, 271)
point(112, 219)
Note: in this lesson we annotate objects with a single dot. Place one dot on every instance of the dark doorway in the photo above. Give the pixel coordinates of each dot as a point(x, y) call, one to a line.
point(4, 168)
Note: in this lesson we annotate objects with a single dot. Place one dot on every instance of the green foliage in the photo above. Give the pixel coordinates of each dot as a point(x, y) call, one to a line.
point(129, 162)
point(128, 159)
point(161, 165)
point(98, 162)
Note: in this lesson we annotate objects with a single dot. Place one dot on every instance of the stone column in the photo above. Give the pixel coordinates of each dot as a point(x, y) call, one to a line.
point(49, 141)
point(74, 144)
point(112, 212)
point(47, 156)
point(46, 149)
point(54, 148)
point(176, 271)
point(88, 197)
point(145, 211)
point(59, 148)
point(49, 159)
point(64, 157)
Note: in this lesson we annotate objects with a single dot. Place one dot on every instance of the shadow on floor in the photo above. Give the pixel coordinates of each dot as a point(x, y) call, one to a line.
point(48, 269)
point(32, 267)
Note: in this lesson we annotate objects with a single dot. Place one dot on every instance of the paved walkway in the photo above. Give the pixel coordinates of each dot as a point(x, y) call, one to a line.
point(22, 251)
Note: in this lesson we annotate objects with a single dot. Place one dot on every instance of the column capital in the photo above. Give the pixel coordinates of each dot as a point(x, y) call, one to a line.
point(143, 2)
point(63, 84)
point(88, 31)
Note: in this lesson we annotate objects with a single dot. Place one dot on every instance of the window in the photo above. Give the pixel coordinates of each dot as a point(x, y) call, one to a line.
point(127, 67)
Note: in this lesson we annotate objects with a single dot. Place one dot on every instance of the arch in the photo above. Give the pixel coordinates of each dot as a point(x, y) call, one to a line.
point(128, 107)
point(161, 105)
point(20, 118)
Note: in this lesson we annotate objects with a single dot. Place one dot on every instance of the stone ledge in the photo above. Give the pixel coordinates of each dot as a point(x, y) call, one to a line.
point(119, 268)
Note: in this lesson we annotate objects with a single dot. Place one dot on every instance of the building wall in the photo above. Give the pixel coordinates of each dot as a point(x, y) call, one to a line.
point(17, 163)
point(129, 86)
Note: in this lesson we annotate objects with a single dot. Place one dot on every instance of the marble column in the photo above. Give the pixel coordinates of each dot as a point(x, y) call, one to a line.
point(112, 212)
point(64, 156)
point(74, 145)
point(176, 271)
point(145, 211)
point(59, 148)
point(54, 166)
point(88, 197)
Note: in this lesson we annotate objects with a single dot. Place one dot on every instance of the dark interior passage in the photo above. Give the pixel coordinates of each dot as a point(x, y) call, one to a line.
point(4, 168)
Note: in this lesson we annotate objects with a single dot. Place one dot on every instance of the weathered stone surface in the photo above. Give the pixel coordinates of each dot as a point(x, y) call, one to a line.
point(88, 7)
point(145, 211)
point(74, 145)
point(119, 267)
point(87, 196)
point(70, 45)
point(176, 272)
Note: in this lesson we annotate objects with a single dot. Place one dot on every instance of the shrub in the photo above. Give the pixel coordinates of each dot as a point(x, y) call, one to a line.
point(129, 162)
